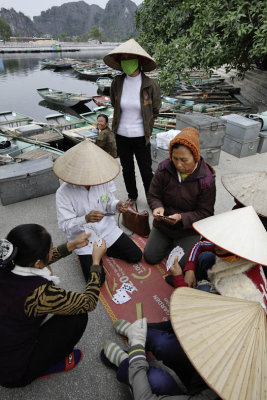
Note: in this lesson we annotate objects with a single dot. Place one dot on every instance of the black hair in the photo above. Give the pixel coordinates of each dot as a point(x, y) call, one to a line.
point(33, 243)
point(177, 145)
point(104, 116)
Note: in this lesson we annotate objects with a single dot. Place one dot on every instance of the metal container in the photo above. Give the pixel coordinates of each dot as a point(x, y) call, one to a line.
point(262, 148)
point(241, 128)
point(27, 180)
point(211, 129)
point(240, 148)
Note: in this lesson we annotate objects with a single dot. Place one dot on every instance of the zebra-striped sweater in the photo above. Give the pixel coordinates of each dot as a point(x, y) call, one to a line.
point(51, 299)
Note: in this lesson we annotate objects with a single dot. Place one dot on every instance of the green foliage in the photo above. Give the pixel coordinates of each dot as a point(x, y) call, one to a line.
point(203, 34)
point(95, 33)
point(5, 30)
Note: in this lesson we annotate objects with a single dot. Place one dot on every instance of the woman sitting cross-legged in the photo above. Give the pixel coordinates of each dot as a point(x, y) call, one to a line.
point(29, 292)
point(182, 192)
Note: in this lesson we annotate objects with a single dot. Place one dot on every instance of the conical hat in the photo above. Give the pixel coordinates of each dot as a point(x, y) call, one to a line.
point(249, 189)
point(238, 231)
point(112, 59)
point(86, 164)
point(225, 339)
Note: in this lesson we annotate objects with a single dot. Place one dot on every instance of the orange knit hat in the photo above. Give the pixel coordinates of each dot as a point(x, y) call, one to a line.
point(188, 137)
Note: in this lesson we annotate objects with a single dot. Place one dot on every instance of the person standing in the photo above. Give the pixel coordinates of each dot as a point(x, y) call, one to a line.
point(136, 101)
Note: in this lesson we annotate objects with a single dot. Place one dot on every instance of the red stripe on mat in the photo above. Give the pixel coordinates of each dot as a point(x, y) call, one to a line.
point(151, 289)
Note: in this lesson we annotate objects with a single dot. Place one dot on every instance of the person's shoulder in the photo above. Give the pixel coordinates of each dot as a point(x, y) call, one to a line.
point(165, 165)
point(207, 173)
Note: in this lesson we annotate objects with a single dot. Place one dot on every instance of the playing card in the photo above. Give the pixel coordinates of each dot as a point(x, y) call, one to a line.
point(129, 288)
point(176, 252)
point(121, 297)
point(99, 242)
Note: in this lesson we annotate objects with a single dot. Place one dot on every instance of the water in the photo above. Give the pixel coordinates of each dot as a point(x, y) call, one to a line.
point(21, 75)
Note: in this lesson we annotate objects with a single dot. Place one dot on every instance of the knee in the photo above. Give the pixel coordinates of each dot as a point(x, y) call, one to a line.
point(135, 257)
point(206, 259)
point(150, 258)
point(161, 382)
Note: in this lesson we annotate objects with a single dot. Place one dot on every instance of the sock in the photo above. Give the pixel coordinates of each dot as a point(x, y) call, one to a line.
point(121, 326)
point(114, 353)
point(65, 365)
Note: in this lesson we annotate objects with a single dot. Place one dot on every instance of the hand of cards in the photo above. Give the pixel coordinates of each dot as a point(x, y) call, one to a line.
point(176, 252)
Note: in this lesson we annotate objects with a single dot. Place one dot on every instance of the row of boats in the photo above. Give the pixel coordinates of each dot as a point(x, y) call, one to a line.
point(201, 93)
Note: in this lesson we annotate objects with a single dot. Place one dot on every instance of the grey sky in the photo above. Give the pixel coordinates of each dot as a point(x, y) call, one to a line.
point(34, 7)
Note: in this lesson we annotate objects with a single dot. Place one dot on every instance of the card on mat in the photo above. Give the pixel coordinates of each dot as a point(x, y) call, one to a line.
point(121, 297)
point(129, 288)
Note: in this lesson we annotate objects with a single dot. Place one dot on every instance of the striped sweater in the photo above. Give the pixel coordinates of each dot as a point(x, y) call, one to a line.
point(51, 299)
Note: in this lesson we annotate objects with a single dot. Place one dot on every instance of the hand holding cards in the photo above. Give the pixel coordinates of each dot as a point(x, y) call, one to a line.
point(176, 252)
point(99, 249)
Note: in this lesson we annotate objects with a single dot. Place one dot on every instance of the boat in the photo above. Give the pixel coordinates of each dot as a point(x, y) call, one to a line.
point(92, 116)
point(10, 119)
point(92, 73)
point(38, 132)
point(104, 84)
point(102, 101)
point(58, 63)
point(14, 149)
point(73, 129)
point(62, 98)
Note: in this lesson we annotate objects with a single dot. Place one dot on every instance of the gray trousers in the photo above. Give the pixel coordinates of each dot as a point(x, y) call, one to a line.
point(159, 245)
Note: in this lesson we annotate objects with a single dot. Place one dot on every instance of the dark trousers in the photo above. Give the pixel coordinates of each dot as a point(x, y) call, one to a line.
point(124, 249)
point(56, 340)
point(205, 261)
point(162, 342)
point(127, 148)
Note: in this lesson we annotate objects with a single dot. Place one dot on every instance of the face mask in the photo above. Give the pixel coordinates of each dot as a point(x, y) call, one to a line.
point(129, 66)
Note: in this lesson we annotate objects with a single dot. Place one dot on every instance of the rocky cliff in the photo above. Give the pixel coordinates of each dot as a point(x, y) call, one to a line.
point(73, 18)
point(116, 21)
point(19, 23)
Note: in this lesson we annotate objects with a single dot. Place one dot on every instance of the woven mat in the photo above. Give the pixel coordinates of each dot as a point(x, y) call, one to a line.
point(151, 289)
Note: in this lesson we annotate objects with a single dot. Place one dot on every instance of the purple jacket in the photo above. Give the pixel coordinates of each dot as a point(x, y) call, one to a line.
point(193, 198)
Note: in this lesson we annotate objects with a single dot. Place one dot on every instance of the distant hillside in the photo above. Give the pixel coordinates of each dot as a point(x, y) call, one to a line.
point(116, 21)
point(19, 23)
point(73, 18)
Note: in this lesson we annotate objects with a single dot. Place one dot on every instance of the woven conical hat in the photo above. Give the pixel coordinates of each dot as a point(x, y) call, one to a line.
point(249, 189)
point(238, 231)
point(225, 339)
point(86, 164)
point(112, 59)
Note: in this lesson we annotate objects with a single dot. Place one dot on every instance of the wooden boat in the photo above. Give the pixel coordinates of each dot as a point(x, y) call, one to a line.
point(73, 129)
point(91, 117)
point(14, 149)
point(62, 98)
point(38, 132)
point(10, 119)
point(58, 63)
point(104, 84)
point(92, 73)
point(102, 101)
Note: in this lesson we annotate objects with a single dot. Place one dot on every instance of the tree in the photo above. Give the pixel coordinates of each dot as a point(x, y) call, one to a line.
point(203, 34)
point(95, 33)
point(5, 30)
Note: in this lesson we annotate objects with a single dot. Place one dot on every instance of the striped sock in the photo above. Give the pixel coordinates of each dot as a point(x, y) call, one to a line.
point(121, 326)
point(114, 353)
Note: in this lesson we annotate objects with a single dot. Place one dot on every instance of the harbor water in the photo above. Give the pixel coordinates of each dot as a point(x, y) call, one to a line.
point(21, 75)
